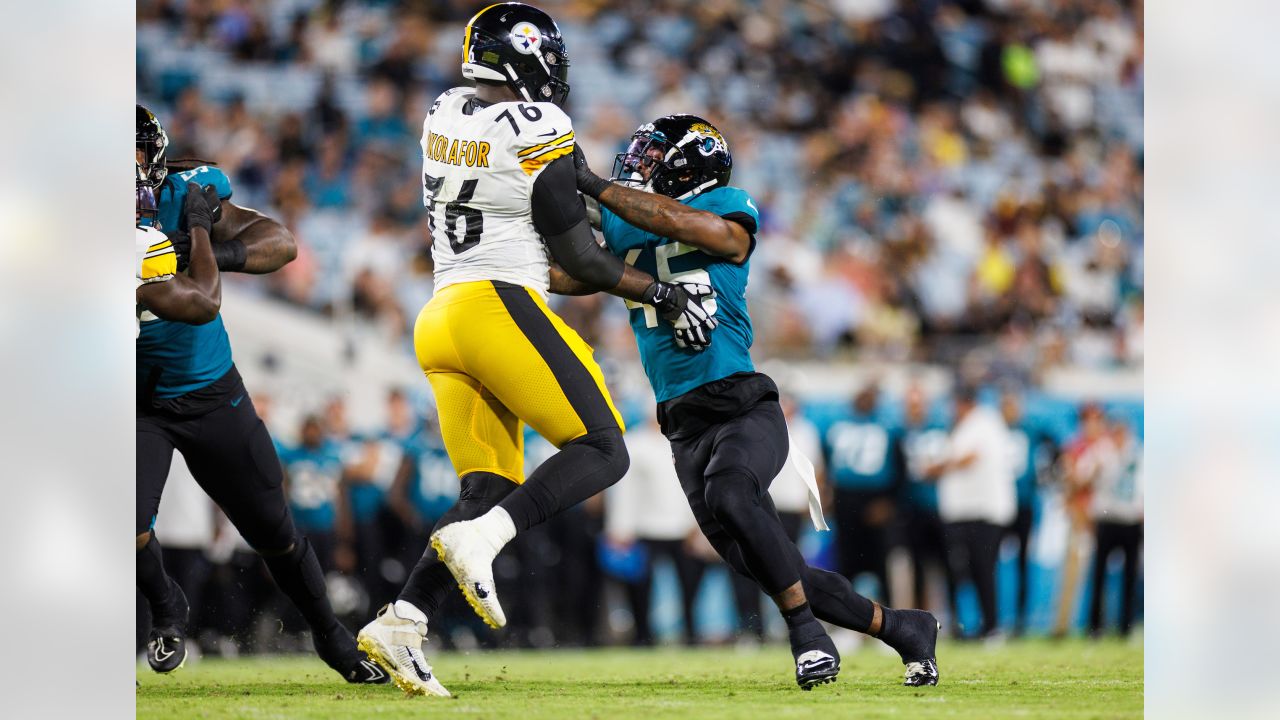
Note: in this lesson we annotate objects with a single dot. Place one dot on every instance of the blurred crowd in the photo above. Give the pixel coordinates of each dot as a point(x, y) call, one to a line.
point(954, 181)
point(925, 496)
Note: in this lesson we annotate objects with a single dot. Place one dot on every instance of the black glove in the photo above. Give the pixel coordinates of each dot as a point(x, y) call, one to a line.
point(589, 183)
point(681, 304)
point(200, 208)
point(181, 247)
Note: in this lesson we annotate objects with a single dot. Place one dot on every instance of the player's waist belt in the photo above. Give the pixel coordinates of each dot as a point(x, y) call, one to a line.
point(713, 403)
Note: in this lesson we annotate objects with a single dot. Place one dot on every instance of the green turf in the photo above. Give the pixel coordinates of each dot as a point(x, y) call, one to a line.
point(1034, 679)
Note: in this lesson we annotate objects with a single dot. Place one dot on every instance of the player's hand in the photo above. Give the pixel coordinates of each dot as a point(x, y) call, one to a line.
point(682, 305)
point(200, 208)
point(589, 183)
point(181, 247)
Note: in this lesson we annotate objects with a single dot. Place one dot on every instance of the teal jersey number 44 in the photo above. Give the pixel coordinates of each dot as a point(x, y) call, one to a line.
point(673, 372)
point(180, 358)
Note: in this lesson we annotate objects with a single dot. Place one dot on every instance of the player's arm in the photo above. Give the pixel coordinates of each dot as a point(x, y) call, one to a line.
point(196, 297)
point(666, 217)
point(559, 216)
point(247, 241)
point(562, 284)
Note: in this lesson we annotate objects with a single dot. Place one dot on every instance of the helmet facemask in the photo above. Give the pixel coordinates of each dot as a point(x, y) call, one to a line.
point(146, 209)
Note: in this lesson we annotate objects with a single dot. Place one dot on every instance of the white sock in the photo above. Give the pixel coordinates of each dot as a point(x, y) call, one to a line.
point(497, 525)
point(409, 611)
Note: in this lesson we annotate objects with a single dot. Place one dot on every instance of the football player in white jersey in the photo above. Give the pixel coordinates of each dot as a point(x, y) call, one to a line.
point(500, 188)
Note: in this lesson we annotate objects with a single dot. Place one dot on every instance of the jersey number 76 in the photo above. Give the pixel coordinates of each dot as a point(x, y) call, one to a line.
point(473, 219)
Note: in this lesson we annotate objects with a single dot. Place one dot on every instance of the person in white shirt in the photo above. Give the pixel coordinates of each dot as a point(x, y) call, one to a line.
point(976, 497)
point(648, 509)
point(1112, 466)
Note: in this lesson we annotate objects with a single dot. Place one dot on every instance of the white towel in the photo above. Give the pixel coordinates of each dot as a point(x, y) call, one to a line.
point(800, 467)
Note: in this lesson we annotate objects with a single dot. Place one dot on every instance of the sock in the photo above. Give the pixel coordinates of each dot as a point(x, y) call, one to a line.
point(155, 585)
point(803, 628)
point(497, 525)
point(300, 578)
point(430, 582)
point(834, 601)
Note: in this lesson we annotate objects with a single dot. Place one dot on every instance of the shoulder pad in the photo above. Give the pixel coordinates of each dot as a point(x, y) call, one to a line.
point(204, 175)
point(545, 133)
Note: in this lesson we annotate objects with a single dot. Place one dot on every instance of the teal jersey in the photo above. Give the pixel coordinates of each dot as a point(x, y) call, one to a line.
point(182, 357)
point(862, 453)
point(672, 371)
point(922, 447)
point(314, 474)
point(433, 486)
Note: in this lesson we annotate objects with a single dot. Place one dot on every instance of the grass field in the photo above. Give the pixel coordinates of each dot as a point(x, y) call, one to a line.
point(1033, 679)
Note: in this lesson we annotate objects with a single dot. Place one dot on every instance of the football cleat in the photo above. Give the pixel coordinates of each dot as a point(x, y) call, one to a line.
point(166, 649)
point(366, 672)
point(167, 643)
point(916, 640)
point(816, 667)
point(469, 554)
point(395, 642)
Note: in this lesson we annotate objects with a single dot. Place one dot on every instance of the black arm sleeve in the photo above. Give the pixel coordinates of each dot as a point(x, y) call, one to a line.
point(561, 219)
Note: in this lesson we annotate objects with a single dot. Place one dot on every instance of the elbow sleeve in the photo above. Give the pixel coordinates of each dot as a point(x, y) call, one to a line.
point(576, 251)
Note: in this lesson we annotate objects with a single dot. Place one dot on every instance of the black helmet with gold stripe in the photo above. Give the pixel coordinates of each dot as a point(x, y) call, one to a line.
point(519, 46)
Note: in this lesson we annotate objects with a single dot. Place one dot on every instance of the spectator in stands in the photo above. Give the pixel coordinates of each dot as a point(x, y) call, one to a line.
point(976, 497)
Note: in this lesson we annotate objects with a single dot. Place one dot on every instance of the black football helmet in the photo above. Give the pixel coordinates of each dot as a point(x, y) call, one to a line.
point(519, 46)
point(685, 155)
point(152, 142)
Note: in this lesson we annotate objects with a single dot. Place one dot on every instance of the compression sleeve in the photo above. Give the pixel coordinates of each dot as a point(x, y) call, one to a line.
point(561, 219)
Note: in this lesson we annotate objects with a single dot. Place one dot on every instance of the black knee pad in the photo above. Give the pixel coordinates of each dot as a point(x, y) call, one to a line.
point(484, 488)
point(611, 445)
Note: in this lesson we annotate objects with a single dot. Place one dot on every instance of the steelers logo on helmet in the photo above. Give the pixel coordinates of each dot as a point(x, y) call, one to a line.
point(526, 38)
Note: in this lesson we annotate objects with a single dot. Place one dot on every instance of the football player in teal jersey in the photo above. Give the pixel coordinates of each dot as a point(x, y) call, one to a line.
point(671, 211)
point(191, 399)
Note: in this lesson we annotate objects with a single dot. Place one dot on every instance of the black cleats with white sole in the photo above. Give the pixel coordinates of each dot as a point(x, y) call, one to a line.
point(366, 672)
point(816, 667)
point(167, 642)
point(166, 649)
point(915, 637)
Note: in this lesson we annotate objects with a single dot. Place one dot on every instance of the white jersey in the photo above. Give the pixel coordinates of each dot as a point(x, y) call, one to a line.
point(478, 171)
point(154, 261)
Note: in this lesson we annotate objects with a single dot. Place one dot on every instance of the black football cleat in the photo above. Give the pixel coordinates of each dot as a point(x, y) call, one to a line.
point(366, 672)
point(167, 642)
point(816, 667)
point(915, 637)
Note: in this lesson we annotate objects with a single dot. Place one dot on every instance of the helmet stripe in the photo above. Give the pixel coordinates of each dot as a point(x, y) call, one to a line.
point(466, 34)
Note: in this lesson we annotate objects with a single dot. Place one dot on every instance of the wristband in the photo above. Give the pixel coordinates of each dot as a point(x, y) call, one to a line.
point(230, 255)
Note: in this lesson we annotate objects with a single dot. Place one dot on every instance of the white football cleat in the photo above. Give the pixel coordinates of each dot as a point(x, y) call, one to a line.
point(395, 642)
point(468, 552)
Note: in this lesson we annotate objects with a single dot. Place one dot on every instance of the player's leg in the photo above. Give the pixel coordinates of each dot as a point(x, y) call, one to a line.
point(485, 445)
point(725, 474)
point(166, 642)
point(1104, 544)
point(545, 374)
point(1130, 544)
point(232, 458)
point(1022, 530)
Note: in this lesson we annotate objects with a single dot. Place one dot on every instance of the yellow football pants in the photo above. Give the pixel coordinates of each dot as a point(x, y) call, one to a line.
point(496, 356)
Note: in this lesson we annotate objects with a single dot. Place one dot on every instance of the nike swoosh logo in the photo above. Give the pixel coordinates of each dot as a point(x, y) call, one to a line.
point(424, 674)
point(236, 402)
point(481, 592)
point(161, 655)
point(553, 133)
point(375, 672)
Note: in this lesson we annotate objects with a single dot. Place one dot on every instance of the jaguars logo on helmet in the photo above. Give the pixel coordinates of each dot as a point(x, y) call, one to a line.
point(687, 155)
point(519, 46)
point(152, 142)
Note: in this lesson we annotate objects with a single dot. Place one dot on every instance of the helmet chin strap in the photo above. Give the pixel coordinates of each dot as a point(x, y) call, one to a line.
point(699, 189)
point(516, 79)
